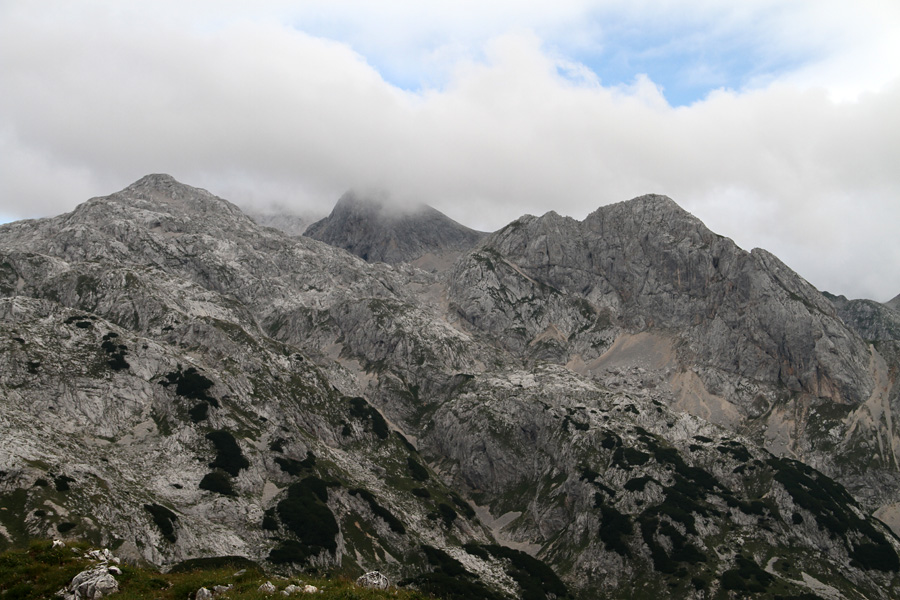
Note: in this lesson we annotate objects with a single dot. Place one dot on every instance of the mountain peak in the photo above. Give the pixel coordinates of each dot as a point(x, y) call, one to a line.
point(162, 186)
point(155, 180)
point(162, 191)
point(369, 227)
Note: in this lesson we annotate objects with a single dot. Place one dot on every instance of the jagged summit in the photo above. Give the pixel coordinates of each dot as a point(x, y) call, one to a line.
point(369, 228)
point(155, 180)
point(163, 190)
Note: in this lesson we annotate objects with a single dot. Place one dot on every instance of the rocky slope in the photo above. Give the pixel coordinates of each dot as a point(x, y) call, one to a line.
point(180, 382)
point(737, 337)
point(292, 225)
point(371, 229)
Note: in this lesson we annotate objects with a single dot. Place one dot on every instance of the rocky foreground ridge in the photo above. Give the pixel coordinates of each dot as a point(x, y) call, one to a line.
point(625, 406)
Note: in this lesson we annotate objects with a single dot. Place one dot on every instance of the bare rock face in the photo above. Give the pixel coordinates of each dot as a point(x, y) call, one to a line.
point(894, 303)
point(373, 580)
point(647, 265)
point(378, 232)
point(92, 584)
point(609, 405)
point(875, 322)
point(738, 337)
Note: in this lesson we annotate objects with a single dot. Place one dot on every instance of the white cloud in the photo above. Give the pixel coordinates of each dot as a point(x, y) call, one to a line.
point(248, 105)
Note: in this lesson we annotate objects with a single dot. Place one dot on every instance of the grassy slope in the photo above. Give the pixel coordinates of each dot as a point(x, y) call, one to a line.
point(40, 570)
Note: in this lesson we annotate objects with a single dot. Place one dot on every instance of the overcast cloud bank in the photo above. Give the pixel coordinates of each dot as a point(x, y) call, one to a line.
point(510, 120)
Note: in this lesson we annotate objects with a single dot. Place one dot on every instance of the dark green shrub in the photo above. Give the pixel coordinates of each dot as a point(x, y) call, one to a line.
point(291, 551)
point(164, 519)
point(476, 550)
point(305, 514)
point(405, 442)
point(270, 522)
point(610, 441)
point(199, 413)
point(878, 556)
point(211, 563)
point(362, 410)
point(588, 474)
point(61, 483)
point(447, 513)
point(217, 482)
point(65, 526)
point(736, 450)
point(116, 353)
point(747, 577)
point(191, 384)
point(229, 457)
point(637, 484)
point(393, 522)
point(418, 472)
point(449, 587)
point(827, 500)
point(312, 485)
point(624, 457)
point(537, 580)
point(289, 465)
point(614, 528)
point(421, 493)
point(462, 505)
point(445, 563)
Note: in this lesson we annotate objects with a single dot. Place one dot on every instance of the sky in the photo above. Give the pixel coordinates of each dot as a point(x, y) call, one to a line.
point(777, 123)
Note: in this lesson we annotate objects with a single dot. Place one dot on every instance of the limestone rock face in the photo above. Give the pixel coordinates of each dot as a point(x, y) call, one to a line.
point(737, 337)
point(369, 228)
point(92, 584)
point(894, 303)
point(613, 404)
point(647, 265)
point(373, 580)
point(873, 321)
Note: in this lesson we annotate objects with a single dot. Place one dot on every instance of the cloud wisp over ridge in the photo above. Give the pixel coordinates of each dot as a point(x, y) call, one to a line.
point(779, 142)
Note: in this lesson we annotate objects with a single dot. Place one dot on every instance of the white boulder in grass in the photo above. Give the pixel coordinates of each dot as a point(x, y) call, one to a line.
point(373, 580)
point(267, 588)
point(90, 585)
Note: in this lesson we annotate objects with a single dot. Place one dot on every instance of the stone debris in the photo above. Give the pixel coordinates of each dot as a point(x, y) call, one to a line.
point(267, 588)
point(103, 555)
point(310, 589)
point(90, 585)
point(217, 590)
point(373, 580)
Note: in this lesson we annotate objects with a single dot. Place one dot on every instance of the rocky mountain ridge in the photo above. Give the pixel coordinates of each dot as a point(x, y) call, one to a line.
point(370, 228)
point(179, 382)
